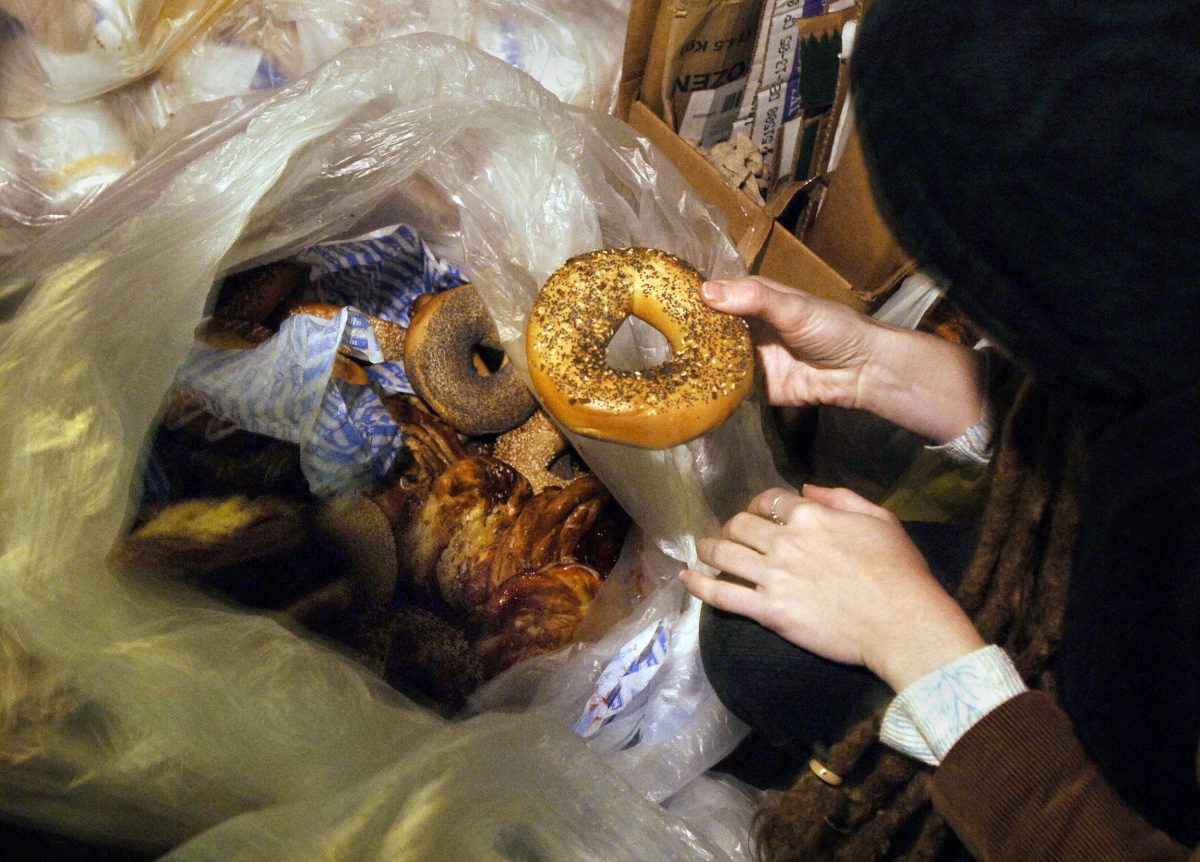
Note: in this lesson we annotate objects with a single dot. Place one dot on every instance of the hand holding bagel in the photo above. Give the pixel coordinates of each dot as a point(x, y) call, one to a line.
point(837, 575)
point(816, 351)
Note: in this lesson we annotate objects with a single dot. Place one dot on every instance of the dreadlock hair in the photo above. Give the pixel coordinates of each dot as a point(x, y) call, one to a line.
point(1015, 592)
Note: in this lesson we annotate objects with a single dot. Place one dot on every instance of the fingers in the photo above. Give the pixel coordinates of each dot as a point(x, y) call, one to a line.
point(750, 530)
point(845, 500)
point(776, 505)
point(732, 557)
point(781, 507)
point(724, 595)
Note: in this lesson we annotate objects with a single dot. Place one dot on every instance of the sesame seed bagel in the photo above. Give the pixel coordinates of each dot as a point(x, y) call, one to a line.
point(439, 358)
point(580, 309)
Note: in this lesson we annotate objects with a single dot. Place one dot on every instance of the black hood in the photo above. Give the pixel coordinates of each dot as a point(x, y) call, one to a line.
point(1043, 160)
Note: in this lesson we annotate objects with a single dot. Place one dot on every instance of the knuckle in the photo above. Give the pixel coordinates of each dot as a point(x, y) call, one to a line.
point(719, 593)
point(784, 544)
point(718, 553)
point(842, 494)
point(774, 613)
point(803, 514)
point(736, 524)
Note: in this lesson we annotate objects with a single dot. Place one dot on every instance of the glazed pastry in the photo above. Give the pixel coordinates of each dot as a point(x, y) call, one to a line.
point(206, 534)
point(252, 295)
point(535, 612)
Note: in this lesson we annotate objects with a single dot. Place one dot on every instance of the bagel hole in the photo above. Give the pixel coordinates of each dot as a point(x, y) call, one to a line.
point(636, 346)
point(487, 360)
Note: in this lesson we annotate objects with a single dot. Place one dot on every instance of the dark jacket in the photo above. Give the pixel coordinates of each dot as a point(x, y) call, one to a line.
point(1043, 161)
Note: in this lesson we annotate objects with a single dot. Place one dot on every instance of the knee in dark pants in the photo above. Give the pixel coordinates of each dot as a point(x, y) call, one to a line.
point(791, 696)
point(788, 694)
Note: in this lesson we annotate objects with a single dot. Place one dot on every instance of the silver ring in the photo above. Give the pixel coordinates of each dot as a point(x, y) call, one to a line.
point(774, 516)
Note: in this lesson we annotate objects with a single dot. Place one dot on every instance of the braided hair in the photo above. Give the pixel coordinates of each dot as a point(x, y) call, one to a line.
point(1015, 592)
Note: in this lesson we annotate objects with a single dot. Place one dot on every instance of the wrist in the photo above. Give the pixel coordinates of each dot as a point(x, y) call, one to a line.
point(932, 714)
point(921, 382)
point(923, 648)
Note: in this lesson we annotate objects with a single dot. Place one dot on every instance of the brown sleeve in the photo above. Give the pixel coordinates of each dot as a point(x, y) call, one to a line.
point(1018, 786)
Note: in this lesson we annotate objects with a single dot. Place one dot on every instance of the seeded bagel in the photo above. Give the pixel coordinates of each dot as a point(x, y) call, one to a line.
point(575, 317)
point(440, 353)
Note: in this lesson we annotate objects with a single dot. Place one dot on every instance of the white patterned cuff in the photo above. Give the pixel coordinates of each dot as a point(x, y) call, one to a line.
point(976, 444)
point(931, 714)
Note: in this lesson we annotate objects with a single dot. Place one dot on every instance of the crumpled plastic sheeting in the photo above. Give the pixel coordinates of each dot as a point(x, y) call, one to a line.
point(494, 788)
point(63, 51)
point(672, 727)
point(285, 388)
point(86, 89)
point(151, 714)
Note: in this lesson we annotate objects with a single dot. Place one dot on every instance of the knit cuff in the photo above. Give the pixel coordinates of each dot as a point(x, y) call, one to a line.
point(931, 714)
point(976, 444)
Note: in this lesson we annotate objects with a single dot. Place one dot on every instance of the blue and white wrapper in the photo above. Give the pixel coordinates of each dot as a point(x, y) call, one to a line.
point(625, 677)
point(285, 388)
point(381, 274)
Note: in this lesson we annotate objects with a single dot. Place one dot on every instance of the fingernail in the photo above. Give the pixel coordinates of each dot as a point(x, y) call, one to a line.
point(713, 291)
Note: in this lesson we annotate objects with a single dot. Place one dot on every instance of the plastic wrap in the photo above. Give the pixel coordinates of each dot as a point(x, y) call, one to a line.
point(86, 88)
point(142, 713)
point(62, 51)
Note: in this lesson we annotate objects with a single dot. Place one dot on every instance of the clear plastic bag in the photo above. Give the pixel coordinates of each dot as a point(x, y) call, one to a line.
point(62, 52)
point(85, 90)
point(669, 727)
point(143, 713)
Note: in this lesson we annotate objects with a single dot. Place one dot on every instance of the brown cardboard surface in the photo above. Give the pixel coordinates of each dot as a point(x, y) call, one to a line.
point(849, 233)
point(748, 224)
point(718, 51)
point(768, 248)
point(638, 33)
point(785, 259)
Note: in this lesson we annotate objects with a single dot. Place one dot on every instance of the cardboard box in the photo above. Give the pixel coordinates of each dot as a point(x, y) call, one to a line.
point(848, 253)
point(768, 248)
point(638, 33)
point(849, 233)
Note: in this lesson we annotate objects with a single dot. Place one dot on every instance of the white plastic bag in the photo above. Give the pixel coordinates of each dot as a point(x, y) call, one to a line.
point(62, 51)
point(86, 88)
point(145, 714)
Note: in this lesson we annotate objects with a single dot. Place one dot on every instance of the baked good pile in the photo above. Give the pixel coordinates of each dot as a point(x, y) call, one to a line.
point(421, 509)
point(483, 543)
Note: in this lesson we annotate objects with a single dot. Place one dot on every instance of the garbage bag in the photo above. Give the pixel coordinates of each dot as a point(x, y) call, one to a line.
point(143, 713)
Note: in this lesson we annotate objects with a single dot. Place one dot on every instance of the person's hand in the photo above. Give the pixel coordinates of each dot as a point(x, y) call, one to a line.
point(812, 350)
point(816, 351)
point(837, 575)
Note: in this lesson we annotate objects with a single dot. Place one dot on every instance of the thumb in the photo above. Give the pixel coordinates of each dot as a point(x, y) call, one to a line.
point(741, 296)
point(782, 307)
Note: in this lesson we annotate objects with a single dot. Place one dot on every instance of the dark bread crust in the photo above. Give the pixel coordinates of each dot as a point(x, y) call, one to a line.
point(439, 351)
